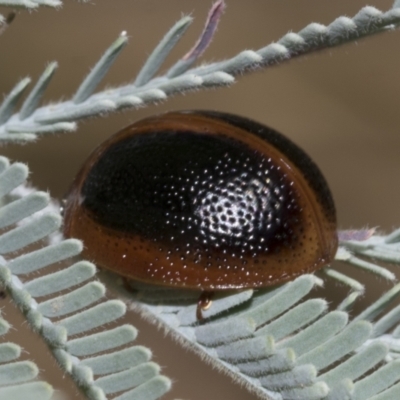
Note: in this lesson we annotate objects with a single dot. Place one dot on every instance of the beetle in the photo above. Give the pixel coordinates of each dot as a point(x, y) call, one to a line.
point(202, 200)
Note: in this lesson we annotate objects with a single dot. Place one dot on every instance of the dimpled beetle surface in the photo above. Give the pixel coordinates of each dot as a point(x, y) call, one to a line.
point(202, 200)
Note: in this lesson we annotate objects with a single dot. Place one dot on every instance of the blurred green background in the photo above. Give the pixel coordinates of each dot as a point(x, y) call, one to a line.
point(341, 105)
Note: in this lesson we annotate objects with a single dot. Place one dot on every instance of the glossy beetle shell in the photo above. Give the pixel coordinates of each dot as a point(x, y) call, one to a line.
point(202, 200)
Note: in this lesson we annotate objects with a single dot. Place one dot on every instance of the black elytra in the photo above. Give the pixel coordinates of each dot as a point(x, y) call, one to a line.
point(202, 200)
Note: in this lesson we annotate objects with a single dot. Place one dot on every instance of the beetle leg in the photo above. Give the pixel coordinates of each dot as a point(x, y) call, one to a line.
point(204, 303)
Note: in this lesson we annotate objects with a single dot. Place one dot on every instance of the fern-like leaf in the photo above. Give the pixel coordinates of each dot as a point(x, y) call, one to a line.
point(18, 379)
point(74, 305)
point(30, 4)
point(147, 89)
point(282, 346)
